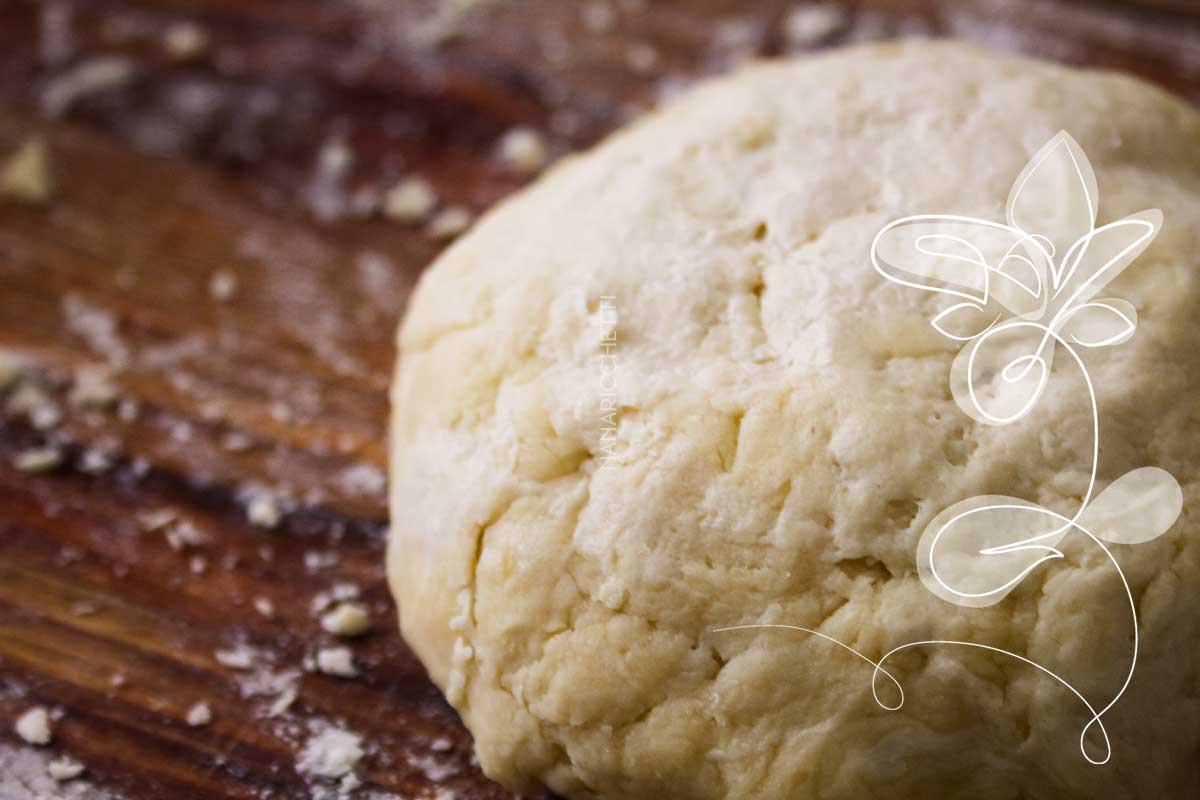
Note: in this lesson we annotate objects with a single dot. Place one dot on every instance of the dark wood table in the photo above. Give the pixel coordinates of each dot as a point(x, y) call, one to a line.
point(256, 143)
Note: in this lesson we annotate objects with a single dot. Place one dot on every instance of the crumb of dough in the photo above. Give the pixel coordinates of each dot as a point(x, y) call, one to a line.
point(411, 200)
point(185, 39)
point(263, 511)
point(330, 753)
point(64, 769)
point(240, 657)
point(95, 461)
point(264, 606)
point(34, 726)
point(523, 150)
point(199, 715)
point(12, 368)
point(38, 459)
point(449, 223)
point(93, 387)
point(336, 661)
point(222, 286)
point(27, 176)
point(347, 619)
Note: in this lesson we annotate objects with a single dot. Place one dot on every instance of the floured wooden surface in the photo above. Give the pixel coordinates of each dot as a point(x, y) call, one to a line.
point(217, 245)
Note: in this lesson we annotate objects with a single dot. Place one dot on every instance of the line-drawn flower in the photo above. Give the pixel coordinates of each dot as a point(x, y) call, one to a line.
point(1022, 284)
point(1023, 288)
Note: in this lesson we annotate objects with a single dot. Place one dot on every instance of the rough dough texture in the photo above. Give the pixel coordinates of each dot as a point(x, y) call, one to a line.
point(785, 432)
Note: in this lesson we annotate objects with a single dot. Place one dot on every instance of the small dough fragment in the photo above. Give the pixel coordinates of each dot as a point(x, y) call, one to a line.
point(337, 661)
point(38, 459)
point(411, 200)
point(263, 511)
point(523, 150)
point(347, 619)
point(34, 726)
point(199, 715)
point(64, 769)
point(26, 176)
point(331, 752)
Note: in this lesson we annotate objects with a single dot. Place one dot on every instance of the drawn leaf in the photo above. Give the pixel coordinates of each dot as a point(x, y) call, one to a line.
point(1055, 196)
point(1101, 323)
point(960, 256)
point(1019, 275)
point(976, 551)
point(1136, 507)
point(1098, 257)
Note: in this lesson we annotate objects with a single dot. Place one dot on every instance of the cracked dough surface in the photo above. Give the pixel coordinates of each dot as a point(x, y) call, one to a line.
point(785, 432)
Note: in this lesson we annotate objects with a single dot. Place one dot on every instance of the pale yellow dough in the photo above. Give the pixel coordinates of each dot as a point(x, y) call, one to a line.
point(785, 433)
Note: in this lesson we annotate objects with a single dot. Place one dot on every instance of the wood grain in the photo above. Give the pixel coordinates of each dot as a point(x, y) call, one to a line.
point(211, 161)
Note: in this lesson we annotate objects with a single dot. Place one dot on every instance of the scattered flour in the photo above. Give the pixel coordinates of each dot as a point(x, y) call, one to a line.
point(330, 752)
point(25, 774)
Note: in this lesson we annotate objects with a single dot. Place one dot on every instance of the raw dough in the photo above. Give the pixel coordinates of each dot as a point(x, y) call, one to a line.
point(785, 433)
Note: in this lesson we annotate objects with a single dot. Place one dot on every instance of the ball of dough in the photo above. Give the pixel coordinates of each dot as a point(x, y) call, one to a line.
point(663, 392)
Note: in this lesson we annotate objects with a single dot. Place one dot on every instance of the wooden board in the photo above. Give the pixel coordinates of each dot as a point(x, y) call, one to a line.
point(190, 163)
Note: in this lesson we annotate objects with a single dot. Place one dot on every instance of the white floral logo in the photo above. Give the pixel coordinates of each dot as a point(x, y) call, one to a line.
point(1023, 288)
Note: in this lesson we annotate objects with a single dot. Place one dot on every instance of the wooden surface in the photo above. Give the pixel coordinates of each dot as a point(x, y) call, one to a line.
point(212, 162)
